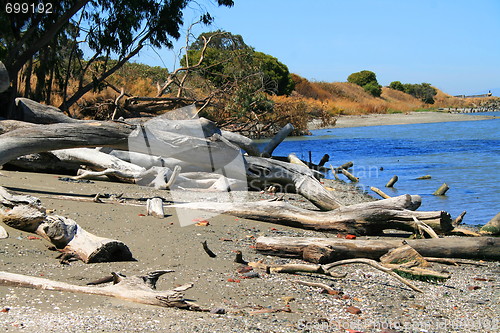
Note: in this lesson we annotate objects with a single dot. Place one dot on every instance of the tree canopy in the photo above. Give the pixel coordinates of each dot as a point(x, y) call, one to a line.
point(367, 80)
point(228, 58)
point(423, 91)
point(109, 27)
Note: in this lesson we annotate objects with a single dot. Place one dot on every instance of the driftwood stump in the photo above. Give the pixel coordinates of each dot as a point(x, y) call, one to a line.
point(26, 213)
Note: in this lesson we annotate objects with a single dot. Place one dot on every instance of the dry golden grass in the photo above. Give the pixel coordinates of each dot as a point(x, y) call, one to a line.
point(318, 99)
point(349, 98)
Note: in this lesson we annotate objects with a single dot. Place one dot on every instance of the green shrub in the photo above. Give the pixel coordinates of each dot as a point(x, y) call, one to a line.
point(373, 88)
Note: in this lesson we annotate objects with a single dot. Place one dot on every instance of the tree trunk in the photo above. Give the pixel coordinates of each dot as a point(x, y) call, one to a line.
point(369, 218)
point(139, 289)
point(26, 213)
point(61, 136)
point(33, 112)
point(276, 140)
point(195, 150)
point(324, 250)
point(262, 172)
point(4, 78)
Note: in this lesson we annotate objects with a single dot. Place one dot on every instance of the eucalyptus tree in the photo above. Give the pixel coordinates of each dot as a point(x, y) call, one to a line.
point(109, 27)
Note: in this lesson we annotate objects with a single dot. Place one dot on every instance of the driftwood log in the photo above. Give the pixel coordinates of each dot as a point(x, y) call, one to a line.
point(138, 289)
point(26, 213)
point(324, 250)
point(291, 178)
point(163, 137)
point(369, 218)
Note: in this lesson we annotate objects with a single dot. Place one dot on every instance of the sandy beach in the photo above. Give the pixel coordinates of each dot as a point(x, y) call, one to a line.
point(269, 303)
point(401, 119)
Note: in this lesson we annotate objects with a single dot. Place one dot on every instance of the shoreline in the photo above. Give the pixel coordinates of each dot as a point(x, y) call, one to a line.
point(398, 119)
point(268, 302)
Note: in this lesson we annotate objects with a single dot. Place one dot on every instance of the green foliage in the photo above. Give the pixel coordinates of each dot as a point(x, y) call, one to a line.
point(134, 70)
point(220, 40)
point(373, 88)
point(367, 80)
point(110, 27)
point(362, 78)
point(397, 85)
point(424, 91)
point(228, 59)
point(278, 78)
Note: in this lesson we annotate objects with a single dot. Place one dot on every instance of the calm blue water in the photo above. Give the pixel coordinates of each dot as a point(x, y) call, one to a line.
point(464, 155)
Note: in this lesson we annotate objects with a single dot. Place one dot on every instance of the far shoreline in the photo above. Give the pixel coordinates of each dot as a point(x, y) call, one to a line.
point(398, 119)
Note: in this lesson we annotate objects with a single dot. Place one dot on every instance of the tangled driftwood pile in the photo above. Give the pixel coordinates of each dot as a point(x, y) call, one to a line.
point(171, 153)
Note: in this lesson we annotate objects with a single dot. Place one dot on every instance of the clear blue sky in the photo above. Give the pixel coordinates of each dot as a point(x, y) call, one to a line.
point(452, 44)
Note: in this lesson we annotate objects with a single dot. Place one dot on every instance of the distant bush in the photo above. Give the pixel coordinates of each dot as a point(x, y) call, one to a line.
point(367, 80)
point(362, 78)
point(424, 91)
point(397, 85)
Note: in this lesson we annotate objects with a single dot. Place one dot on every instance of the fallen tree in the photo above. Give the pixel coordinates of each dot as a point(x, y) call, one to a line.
point(369, 218)
point(26, 213)
point(324, 250)
point(138, 289)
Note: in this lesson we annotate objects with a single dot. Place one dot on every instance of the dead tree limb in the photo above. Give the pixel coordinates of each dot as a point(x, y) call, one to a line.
point(369, 218)
point(277, 139)
point(263, 172)
point(195, 150)
point(375, 265)
point(138, 289)
point(324, 250)
point(61, 136)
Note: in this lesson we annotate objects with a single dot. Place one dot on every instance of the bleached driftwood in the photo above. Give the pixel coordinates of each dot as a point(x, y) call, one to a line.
point(154, 207)
point(375, 265)
point(26, 213)
point(34, 112)
point(3, 233)
point(246, 144)
point(291, 178)
point(276, 140)
point(138, 289)
point(323, 250)
point(369, 218)
point(153, 139)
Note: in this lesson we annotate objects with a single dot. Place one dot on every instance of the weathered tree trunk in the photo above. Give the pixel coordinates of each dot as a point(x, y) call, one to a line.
point(380, 192)
point(369, 218)
point(34, 112)
point(247, 144)
point(349, 175)
point(324, 250)
point(61, 136)
point(195, 150)
point(154, 207)
point(138, 289)
point(276, 140)
point(96, 160)
point(26, 213)
point(262, 172)
point(392, 181)
point(442, 189)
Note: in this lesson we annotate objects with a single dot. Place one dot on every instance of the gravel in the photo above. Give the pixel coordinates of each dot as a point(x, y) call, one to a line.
point(467, 302)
